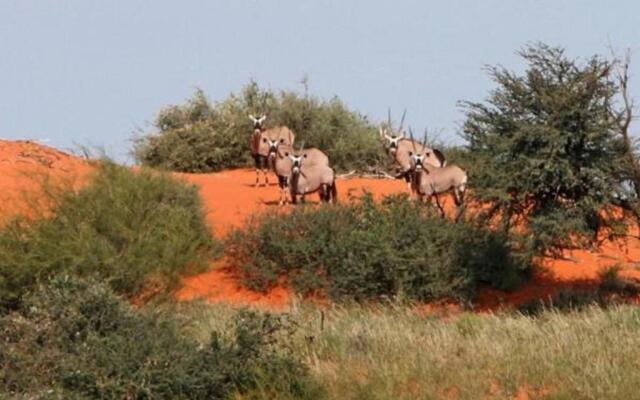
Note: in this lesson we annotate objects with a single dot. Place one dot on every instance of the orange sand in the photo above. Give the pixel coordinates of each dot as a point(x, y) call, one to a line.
point(25, 166)
point(230, 198)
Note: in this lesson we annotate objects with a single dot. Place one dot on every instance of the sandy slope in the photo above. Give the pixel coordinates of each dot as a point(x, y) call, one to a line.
point(230, 198)
point(26, 166)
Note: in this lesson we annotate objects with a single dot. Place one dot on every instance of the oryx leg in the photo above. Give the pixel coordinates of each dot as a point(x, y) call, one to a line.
point(409, 180)
point(435, 194)
point(325, 194)
point(460, 212)
point(456, 197)
point(258, 163)
point(459, 194)
point(282, 184)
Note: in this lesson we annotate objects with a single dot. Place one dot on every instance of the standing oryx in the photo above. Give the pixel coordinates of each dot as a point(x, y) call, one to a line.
point(309, 178)
point(429, 181)
point(254, 144)
point(260, 147)
point(280, 161)
point(399, 147)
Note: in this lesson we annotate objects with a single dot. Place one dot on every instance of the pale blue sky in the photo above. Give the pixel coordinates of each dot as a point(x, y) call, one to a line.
point(92, 72)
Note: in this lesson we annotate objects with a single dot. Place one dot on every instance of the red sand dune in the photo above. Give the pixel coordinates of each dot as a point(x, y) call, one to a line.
point(230, 198)
point(25, 166)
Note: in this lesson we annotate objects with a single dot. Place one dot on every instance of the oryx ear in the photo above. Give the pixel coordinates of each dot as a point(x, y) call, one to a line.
point(252, 118)
point(389, 138)
point(262, 118)
point(382, 131)
point(401, 134)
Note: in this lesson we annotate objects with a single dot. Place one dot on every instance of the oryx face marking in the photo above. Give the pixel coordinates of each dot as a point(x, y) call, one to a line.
point(418, 160)
point(257, 122)
point(296, 162)
point(392, 143)
point(392, 140)
point(273, 146)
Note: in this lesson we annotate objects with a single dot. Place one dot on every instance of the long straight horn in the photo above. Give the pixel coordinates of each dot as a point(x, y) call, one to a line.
point(424, 139)
point(404, 114)
point(413, 142)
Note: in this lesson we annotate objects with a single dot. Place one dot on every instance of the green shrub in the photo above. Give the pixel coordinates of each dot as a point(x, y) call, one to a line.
point(77, 339)
point(201, 137)
point(130, 229)
point(366, 251)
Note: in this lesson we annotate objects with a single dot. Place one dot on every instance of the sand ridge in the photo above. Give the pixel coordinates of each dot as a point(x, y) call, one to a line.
point(230, 198)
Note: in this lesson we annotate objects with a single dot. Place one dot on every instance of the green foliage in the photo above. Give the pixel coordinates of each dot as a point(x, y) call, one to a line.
point(544, 147)
point(130, 229)
point(77, 339)
point(201, 137)
point(366, 251)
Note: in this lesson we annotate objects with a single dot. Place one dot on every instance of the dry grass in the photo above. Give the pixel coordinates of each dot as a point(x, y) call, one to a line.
point(391, 352)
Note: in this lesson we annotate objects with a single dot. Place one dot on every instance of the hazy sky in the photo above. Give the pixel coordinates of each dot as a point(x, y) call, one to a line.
point(92, 72)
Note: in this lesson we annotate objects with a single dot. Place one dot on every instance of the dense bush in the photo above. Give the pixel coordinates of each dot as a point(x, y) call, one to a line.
point(131, 229)
point(545, 148)
point(201, 137)
point(77, 339)
point(365, 251)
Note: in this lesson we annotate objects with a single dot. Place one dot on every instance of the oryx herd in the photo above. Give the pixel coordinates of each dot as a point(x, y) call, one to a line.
point(303, 171)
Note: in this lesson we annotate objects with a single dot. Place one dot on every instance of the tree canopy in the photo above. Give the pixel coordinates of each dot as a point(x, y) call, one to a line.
point(545, 150)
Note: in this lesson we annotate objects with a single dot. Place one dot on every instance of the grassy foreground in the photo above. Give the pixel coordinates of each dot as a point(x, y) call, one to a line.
point(391, 352)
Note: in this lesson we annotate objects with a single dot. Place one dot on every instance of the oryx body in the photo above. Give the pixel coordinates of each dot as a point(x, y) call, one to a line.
point(259, 144)
point(429, 181)
point(310, 178)
point(282, 164)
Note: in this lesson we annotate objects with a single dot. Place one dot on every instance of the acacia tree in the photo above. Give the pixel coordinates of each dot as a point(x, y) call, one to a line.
point(546, 150)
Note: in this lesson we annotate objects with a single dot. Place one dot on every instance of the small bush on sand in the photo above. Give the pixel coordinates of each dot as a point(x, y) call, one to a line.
point(130, 229)
point(77, 339)
point(364, 251)
point(201, 136)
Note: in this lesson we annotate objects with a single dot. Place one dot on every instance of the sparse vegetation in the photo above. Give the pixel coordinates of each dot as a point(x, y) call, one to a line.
point(201, 136)
point(133, 230)
point(370, 251)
